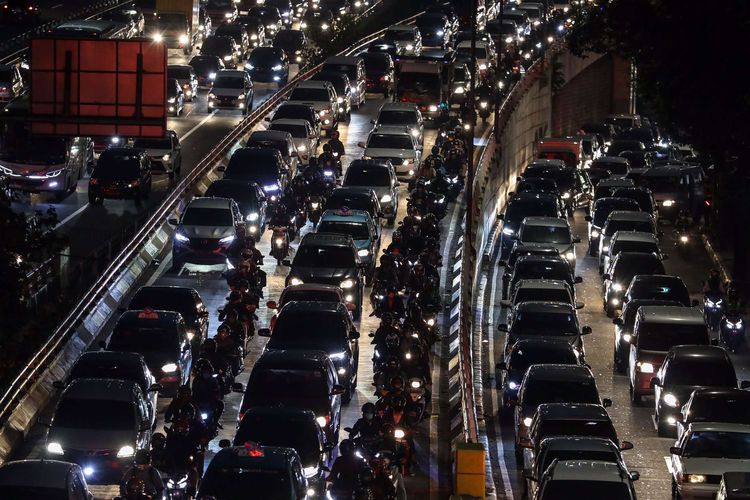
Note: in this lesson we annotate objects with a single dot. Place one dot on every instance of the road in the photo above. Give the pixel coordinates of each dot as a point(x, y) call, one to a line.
point(633, 423)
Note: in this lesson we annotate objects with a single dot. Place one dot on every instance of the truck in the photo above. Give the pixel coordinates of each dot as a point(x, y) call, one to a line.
point(567, 149)
point(177, 24)
point(426, 81)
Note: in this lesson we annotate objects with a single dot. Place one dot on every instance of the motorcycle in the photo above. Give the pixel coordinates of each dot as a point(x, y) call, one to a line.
point(314, 209)
point(683, 242)
point(178, 486)
point(713, 310)
point(484, 110)
point(280, 247)
point(732, 331)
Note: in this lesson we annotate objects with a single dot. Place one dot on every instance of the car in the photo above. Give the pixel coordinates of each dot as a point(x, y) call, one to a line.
point(592, 146)
point(658, 328)
point(624, 266)
point(290, 428)
point(165, 153)
point(380, 177)
point(640, 162)
point(544, 265)
point(355, 198)
point(237, 33)
point(642, 196)
point(270, 16)
point(542, 290)
point(264, 166)
point(393, 48)
point(703, 453)
point(329, 259)
point(617, 165)
point(280, 140)
point(675, 188)
point(236, 470)
point(524, 354)
point(625, 221)
point(250, 198)
point(11, 83)
point(629, 241)
point(304, 379)
point(298, 112)
point(292, 42)
point(408, 36)
point(354, 68)
point(232, 89)
point(268, 64)
point(435, 29)
point(209, 232)
point(600, 210)
point(597, 174)
point(606, 187)
point(206, 68)
point(223, 47)
point(539, 167)
point(319, 22)
point(380, 75)
point(303, 134)
point(175, 97)
point(343, 89)
point(162, 338)
point(550, 383)
point(574, 185)
point(607, 131)
point(186, 77)
point(686, 368)
point(461, 83)
point(43, 478)
point(104, 446)
point(120, 173)
point(184, 300)
point(485, 54)
point(520, 206)
point(254, 28)
point(733, 485)
point(620, 145)
point(396, 144)
point(725, 405)
point(658, 286)
point(401, 114)
point(361, 227)
point(307, 292)
point(643, 134)
point(321, 96)
point(549, 231)
point(589, 478)
point(536, 185)
point(319, 326)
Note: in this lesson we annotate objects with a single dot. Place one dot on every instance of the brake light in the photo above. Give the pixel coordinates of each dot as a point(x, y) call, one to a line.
point(93, 181)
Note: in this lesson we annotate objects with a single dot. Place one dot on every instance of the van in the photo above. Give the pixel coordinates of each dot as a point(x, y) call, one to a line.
point(568, 149)
point(657, 329)
point(354, 68)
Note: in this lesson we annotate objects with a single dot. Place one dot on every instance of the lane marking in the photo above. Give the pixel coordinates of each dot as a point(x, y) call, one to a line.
point(197, 126)
point(668, 460)
point(71, 216)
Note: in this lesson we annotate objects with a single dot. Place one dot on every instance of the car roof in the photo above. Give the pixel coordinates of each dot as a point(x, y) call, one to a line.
point(543, 284)
point(400, 27)
point(342, 60)
point(371, 163)
point(615, 181)
point(230, 72)
point(133, 316)
point(350, 215)
point(399, 106)
point(676, 315)
point(210, 202)
point(172, 288)
point(606, 200)
point(699, 351)
point(721, 392)
point(100, 388)
point(546, 162)
point(328, 239)
point(718, 426)
point(611, 159)
point(545, 221)
point(111, 357)
point(587, 470)
point(635, 236)
point(278, 410)
point(630, 215)
point(561, 372)
point(573, 411)
point(179, 66)
point(270, 135)
point(37, 472)
point(312, 287)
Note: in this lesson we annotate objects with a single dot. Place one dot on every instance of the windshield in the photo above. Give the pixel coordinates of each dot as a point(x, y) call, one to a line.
point(254, 168)
point(229, 82)
point(219, 4)
point(720, 408)
point(628, 225)
point(172, 20)
point(530, 269)
point(422, 84)
point(375, 65)
point(521, 359)
point(701, 372)
point(518, 210)
point(537, 392)
point(309, 94)
point(573, 454)
point(367, 177)
point(397, 118)
point(669, 289)
point(144, 340)
point(569, 158)
point(324, 256)
point(233, 30)
point(265, 56)
point(642, 198)
point(390, 141)
point(296, 131)
point(204, 65)
point(288, 37)
point(349, 70)
point(161, 299)
point(663, 185)
point(352, 202)
point(481, 52)
point(542, 294)
point(296, 387)
point(662, 337)
point(300, 112)
point(272, 430)
point(546, 234)
point(152, 144)
point(603, 209)
point(634, 246)
point(545, 323)
point(234, 483)
point(718, 444)
point(201, 216)
point(628, 266)
point(357, 230)
point(586, 489)
point(22, 148)
point(237, 191)
point(85, 369)
point(74, 413)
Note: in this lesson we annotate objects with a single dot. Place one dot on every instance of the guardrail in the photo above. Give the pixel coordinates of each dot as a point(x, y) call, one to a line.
point(43, 359)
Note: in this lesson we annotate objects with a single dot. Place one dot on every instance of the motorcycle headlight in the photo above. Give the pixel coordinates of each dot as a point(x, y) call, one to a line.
point(527, 422)
point(482, 66)
point(54, 448)
point(617, 287)
point(279, 242)
point(253, 37)
point(227, 15)
point(227, 58)
point(171, 100)
point(227, 239)
point(670, 400)
point(211, 96)
point(409, 47)
point(347, 284)
point(483, 104)
point(324, 26)
point(399, 434)
point(169, 368)
point(431, 322)
point(416, 384)
point(339, 100)
point(125, 451)
point(683, 239)
point(509, 39)
point(667, 203)
point(432, 108)
point(363, 253)
point(512, 385)
point(508, 231)
point(566, 196)
point(253, 217)
point(211, 76)
point(322, 421)
point(314, 205)
point(414, 133)
point(296, 281)
point(594, 233)
point(386, 198)
point(166, 157)
point(249, 66)
point(311, 471)
point(328, 173)
point(303, 25)
point(302, 148)
point(183, 39)
point(277, 67)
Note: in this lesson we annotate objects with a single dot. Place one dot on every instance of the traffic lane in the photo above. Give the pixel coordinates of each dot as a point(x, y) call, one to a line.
point(48, 10)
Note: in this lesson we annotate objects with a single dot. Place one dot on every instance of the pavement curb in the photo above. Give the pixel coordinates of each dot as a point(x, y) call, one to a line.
point(716, 258)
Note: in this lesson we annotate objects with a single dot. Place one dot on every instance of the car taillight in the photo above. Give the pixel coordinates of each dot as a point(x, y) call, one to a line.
point(384, 78)
point(93, 181)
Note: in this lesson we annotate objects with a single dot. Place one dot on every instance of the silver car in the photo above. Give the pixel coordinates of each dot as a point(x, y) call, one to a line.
point(305, 138)
point(380, 176)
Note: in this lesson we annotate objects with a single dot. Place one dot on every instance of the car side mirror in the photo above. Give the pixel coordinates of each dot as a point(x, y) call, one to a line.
point(576, 239)
point(337, 390)
point(286, 262)
point(675, 450)
point(271, 304)
point(500, 366)
point(577, 280)
point(264, 332)
point(606, 402)
point(221, 168)
point(606, 276)
point(635, 475)
point(744, 384)
point(586, 330)
point(172, 221)
point(626, 445)
point(502, 327)
point(588, 218)
point(353, 335)
point(361, 145)
point(58, 384)
point(617, 321)
point(155, 388)
point(694, 303)
point(580, 305)
point(372, 122)
point(224, 443)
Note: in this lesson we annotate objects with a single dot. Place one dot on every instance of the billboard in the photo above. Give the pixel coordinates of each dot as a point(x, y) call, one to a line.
point(98, 87)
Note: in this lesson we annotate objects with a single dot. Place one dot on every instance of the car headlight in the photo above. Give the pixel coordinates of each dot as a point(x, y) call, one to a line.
point(460, 90)
point(125, 451)
point(183, 39)
point(227, 239)
point(527, 421)
point(322, 421)
point(227, 58)
point(211, 76)
point(414, 133)
point(605, 248)
point(227, 15)
point(670, 399)
point(166, 157)
point(169, 368)
point(405, 162)
point(566, 196)
point(54, 448)
point(211, 96)
point(277, 67)
point(158, 37)
point(171, 100)
point(181, 237)
point(303, 25)
point(253, 37)
point(509, 39)
point(683, 238)
point(432, 108)
point(594, 233)
point(409, 47)
point(695, 478)
point(431, 322)
point(252, 217)
point(341, 371)
point(615, 302)
point(570, 255)
point(363, 253)
point(482, 66)
point(324, 26)
point(296, 281)
point(667, 203)
point(386, 198)
point(617, 287)
point(512, 385)
point(508, 231)
point(311, 471)
point(347, 284)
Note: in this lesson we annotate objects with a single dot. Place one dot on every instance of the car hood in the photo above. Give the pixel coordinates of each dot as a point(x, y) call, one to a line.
point(316, 105)
point(389, 153)
point(561, 248)
point(324, 274)
point(713, 466)
point(90, 440)
point(219, 92)
point(380, 191)
point(157, 152)
point(206, 231)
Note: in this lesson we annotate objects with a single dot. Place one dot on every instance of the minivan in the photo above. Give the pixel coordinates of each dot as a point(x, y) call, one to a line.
point(354, 68)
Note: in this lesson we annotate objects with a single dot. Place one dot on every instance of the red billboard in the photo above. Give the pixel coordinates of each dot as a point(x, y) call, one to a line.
point(95, 87)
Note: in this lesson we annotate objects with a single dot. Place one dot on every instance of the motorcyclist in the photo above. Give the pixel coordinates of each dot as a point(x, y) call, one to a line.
point(430, 227)
point(426, 171)
point(485, 92)
point(219, 364)
point(345, 469)
point(300, 188)
point(386, 327)
point(251, 253)
point(241, 309)
point(207, 390)
point(382, 484)
point(143, 471)
point(735, 305)
point(391, 303)
point(279, 215)
point(435, 158)
point(386, 273)
point(368, 427)
point(135, 490)
point(236, 328)
point(384, 378)
point(417, 278)
point(183, 399)
point(159, 451)
point(714, 284)
point(336, 145)
point(227, 348)
point(184, 446)
point(328, 161)
point(396, 243)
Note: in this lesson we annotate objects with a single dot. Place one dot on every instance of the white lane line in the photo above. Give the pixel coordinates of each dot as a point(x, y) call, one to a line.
point(668, 460)
point(71, 216)
point(197, 126)
point(57, 6)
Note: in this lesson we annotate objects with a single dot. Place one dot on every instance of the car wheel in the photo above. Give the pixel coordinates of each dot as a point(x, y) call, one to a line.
point(635, 398)
point(675, 491)
point(662, 429)
point(95, 200)
point(592, 250)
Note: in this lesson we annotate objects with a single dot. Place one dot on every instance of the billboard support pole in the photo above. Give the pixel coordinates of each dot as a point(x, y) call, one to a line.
point(139, 85)
point(66, 82)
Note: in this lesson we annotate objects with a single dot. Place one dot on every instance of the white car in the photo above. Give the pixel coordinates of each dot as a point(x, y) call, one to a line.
point(485, 53)
point(396, 144)
point(408, 37)
point(587, 479)
point(703, 453)
point(165, 153)
point(401, 114)
point(232, 89)
point(321, 96)
point(304, 136)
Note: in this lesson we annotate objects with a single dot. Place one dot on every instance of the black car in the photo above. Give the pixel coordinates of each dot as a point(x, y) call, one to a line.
point(270, 16)
point(355, 198)
point(186, 77)
point(435, 29)
point(393, 48)
point(297, 379)
point(206, 68)
point(658, 286)
point(606, 130)
point(249, 196)
point(175, 97)
point(525, 353)
point(264, 166)
point(537, 185)
point(268, 64)
point(284, 7)
point(599, 213)
point(297, 111)
point(221, 11)
point(380, 75)
point(318, 22)
point(254, 28)
point(620, 145)
point(324, 326)
point(223, 47)
point(329, 259)
point(524, 205)
point(574, 185)
point(550, 267)
point(291, 42)
point(289, 428)
point(183, 300)
point(120, 173)
point(685, 369)
point(642, 196)
point(237, 33)
point(641, 134)
point(20, 11)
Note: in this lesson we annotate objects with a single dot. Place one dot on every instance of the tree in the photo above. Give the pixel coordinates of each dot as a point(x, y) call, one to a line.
point(690, 58)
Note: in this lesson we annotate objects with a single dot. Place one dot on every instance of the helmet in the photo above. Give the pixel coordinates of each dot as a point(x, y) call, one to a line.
point(134, 486)
point(397, 381)
point(203, 364)
point(419, 268)
point(398, 402)
point(158, 440)
point(335, 134)
point(209, 345)
point(392, 340)
point(223, 328)
point(387, 319)
point(421, 183)
point(232, 313)
point(346, 447)
point(235, 295)
point(313, 161)
point(250, 240)
point(435, 150)
point(142, 457)
point(368, 408)
point(184, 390)
point(327, 148)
